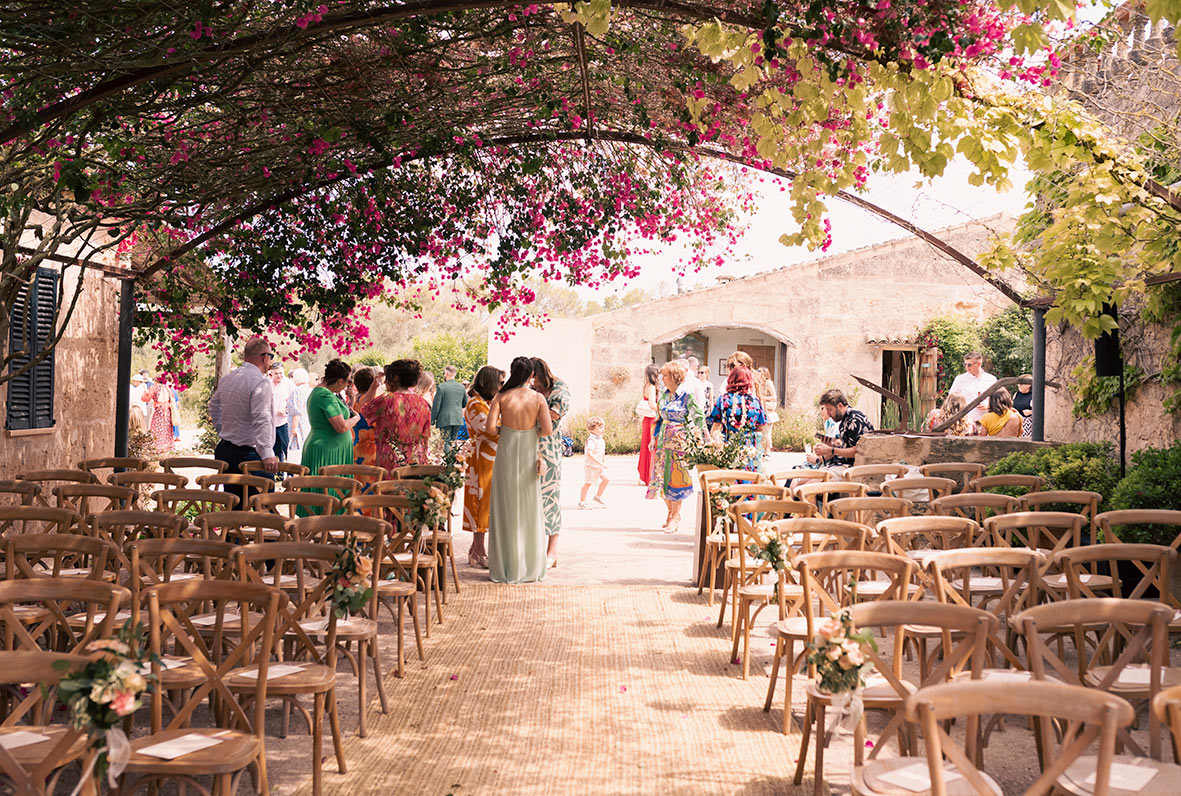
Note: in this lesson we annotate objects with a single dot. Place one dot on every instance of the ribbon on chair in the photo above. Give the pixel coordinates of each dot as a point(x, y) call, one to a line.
point(116, 746)
point(847, 707)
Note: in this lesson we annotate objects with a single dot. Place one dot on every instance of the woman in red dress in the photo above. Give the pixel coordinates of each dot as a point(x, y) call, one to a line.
point(651, 374)
point(159, 408)
point(401, 419)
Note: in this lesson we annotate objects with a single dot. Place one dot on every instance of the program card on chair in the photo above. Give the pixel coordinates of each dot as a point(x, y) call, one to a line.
point(916, 777)
point(15, 740)
point(178, 747)
point(1129, 777)
point(275, 670)
point(1134, 675)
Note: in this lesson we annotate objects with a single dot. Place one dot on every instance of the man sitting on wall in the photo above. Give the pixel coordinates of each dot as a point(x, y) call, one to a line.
point(851, 426)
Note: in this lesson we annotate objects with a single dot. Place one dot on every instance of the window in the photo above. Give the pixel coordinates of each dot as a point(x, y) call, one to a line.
point(30, 395)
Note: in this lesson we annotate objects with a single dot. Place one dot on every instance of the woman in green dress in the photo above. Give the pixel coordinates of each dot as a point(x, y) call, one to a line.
point(331, 440)
point(557, 398)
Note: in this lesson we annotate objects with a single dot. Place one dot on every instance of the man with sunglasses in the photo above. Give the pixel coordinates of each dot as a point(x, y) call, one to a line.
point(242, 411)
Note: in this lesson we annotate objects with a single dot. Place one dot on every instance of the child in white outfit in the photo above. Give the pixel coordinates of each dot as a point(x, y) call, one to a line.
point(595, 464)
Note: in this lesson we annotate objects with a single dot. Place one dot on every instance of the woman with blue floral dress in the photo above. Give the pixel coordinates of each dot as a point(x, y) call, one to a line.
point(739, 411)
point(679, 414)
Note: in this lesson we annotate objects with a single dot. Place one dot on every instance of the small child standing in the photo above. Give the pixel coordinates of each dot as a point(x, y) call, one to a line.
point(595, 464)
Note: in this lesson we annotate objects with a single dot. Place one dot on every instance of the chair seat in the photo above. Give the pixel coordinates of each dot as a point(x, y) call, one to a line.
point(877, 693)
point(981, 585)
point(1164, 783)
point(292, 582)
point(867, 779)
point(1003, 675)
point(206, 623)
point(79, 619)
point(766, 591)
point(1125, 686)
point(395, 588)
point(873, 588)
point(751, 563)
point(31, 614)
point(32, 754)
point(720, 539)
point(311, 678)
point(425, 560)
point(234, 752)
point(351, 628)
point(1090, 580)
point(793, 627)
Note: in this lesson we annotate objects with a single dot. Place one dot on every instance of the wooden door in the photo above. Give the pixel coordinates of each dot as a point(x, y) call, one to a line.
point(763, 356)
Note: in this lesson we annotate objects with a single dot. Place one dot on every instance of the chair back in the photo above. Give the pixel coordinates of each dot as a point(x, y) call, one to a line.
point(1011, 481)
point(120, 528)
point(255, 467)
point(155, 561)
point(287, 504)
point(418, 471)
point(242, 527)
point(366, 474)
point(192, 502)
point(241, 486)
point(930, 487)
point(919, 537)
point(333, 528)
point(171, 465)
point(395, 486)
point(16, 520)
point(1084, 565)
point(60, 625)
point(1167, 707)
point(335, 486)
point(960, 472)
point(872, 475)
point(54, 555)
point(1108, 521)
point(1085, 503)
point(48, 479)
point(831, 578)
point(788, 478)
point(145, 483)
point(869, 510)
point(819, 534)
point(820, 494)
point(87, 499)
point(1040, 530)
point(1092, 718)
point(18, 493)
point(976, 506)
point(112, 463)
point(222, 626)
point(1130, 636)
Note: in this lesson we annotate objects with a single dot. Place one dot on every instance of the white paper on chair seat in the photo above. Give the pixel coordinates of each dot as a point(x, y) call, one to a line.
point(917, 777)
point(178, 747)
point(166, 662)
point(274, 671)
point(15, 740)
point(315, 625)
point(1128, 776)
point(99, 616)
point(210, 620)
point(73, 572)
point(1134, 675)
point(1008, 677)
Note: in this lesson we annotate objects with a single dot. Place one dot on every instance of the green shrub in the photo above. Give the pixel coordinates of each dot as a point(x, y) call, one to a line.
point(792, 431)
point(1089, 466)
point(1150, 484)
point(622, 434)
point(1008, 342)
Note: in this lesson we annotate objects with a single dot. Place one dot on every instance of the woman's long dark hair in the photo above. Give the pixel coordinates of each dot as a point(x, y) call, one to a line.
point(652, 374)
point(486, 382)
point(543, 378)
point(519, 373)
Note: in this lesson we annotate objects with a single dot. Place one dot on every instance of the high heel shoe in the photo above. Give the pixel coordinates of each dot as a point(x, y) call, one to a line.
point(473, 560)
point(674, 525)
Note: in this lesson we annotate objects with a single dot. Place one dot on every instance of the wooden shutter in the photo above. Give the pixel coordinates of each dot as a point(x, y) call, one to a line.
point(30, 395)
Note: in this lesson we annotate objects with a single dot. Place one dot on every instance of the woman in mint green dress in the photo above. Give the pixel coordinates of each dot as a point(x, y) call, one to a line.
point(516, 536)
point(331, 440)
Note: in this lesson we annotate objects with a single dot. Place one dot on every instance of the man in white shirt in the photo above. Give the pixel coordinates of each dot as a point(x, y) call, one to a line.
point(280, 393)
point(693, 384)
point(139, 418)
point(975, 381)
point(243, 413)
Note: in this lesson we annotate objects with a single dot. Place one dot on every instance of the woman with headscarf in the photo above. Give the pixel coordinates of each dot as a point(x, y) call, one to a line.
point(739, 411)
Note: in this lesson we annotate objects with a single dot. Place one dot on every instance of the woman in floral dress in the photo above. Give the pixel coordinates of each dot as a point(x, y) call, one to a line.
point(557, 397)
point(739, 411)
point(672, 477)
point(477, 493)
point(401, 420)
point(159, 400)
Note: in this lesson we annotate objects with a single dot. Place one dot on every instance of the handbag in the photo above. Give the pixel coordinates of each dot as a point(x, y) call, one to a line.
point(644, 409)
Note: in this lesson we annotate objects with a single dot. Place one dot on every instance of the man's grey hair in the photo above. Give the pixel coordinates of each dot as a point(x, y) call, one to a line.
point(972, 356)
point(450, 370)
point(693, 363)
point(254, 347)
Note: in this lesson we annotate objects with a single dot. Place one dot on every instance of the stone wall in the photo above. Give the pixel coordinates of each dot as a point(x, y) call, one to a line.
point(919, 450)
point(825, 310)
point(84, 390)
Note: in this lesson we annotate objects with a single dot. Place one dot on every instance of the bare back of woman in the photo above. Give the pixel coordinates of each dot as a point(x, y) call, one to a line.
point(520, 408)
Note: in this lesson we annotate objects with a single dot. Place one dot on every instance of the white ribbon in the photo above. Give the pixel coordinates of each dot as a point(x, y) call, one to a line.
point(847, 707)
point(117, 748)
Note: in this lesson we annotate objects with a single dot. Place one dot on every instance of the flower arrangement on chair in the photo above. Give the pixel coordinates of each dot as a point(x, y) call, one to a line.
point(719, 500)
point(348, 575)
point(431, 507)
point(105, 691)
point(767, 546)
point(713, 451)
point(841, 666)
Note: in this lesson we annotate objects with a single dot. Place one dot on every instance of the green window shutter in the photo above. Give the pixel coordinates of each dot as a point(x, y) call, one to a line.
point(31, 395)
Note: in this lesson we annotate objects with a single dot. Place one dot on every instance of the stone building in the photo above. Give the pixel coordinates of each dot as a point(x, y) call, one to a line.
point(64, 410)
point(813, 324)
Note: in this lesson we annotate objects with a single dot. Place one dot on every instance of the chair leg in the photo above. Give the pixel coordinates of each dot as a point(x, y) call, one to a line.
point(454, 571)
point(441, 574)
point(701, 570)
point(746, 624)
point(789, 677)
point(734, 633)
point(362, 687)
point(775, 660)
point(438, 593)
point(401, 604)
point(317, 741)
point(417, 629)
point(725, 598)
point(801, 761)
point(818, 776)
point(713, 575)
point(376, 653)
point(334, 725)
point(426, 597)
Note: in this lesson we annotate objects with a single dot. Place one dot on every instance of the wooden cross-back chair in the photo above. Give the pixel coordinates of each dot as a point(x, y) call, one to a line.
point(171, 465)
point(145, 483)
point(720, 541)
point(963, 632)
point(87, 499)
point(114, 463)
point(18, 520)
point(821, 494)
point(1167, 707)
point(173, 560)
point(1129, 657)
point(873, 475)
point(286, 469)
point(757, 503)
point(960, 472)
point(69, 613)
point(243, 527)
point(444, 539)
point(305, 636)
point(869, 510)
point(1094, 571)
point(1092, 718)
point(751, 581)
point(35, 769)
point(242, 486)
point(190, 503)
point(416, 471)
point(48, 479)
point(365, 474)
point(120, 528)
point(427, 562)
point(54, 555)
point(18, 493)
point(1107, 523)
point(919, 537)
point(787, 478)
point(928, 488)
point(1013, 481)
point(289, 504)
point(976, 506)
point(1085, 503)
point(713, 481)
point(1047, 531)
point(245, 640)
point(818, 574)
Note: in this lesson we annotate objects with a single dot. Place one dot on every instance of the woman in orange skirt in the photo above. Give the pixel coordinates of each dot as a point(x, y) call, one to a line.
point(477, 493)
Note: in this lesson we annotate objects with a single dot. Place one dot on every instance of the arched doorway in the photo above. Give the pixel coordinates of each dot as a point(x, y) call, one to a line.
point(712, 344)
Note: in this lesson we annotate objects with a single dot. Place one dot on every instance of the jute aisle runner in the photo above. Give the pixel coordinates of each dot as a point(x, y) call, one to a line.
point(572, 689)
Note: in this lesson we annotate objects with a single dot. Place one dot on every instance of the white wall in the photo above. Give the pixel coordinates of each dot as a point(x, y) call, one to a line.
point(565, 345)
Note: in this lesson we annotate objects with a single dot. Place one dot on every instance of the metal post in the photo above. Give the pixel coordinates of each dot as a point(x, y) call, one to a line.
point(1123, 425)
point(123, 377)
point(1039, 374)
